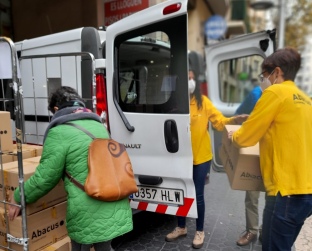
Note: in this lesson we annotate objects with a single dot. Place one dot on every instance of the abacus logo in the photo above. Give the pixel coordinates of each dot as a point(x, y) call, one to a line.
point(37, 233)
point(252, 176)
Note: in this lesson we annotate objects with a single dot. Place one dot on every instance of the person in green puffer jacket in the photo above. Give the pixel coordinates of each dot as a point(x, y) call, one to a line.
point(88, 221)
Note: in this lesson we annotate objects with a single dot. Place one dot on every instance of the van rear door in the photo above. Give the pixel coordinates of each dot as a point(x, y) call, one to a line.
point(148, 105)
point(233, 67)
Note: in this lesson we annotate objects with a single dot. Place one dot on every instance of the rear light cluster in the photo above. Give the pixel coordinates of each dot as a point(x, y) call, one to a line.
point(101, 98)
point(172, 8)
point(204, 88)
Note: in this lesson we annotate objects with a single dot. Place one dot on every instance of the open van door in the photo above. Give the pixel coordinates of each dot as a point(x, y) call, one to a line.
point(233, 67)
point(148, 105)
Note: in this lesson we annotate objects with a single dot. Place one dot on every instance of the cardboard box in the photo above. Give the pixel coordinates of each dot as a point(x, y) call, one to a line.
point(6, 158)
point(6, 141)
point(33, 160)
point(36, 148)
point(28, 151)
point(242, 165)
point(10, 174)
point(62, 245)
point(3, 239)
point(43, 228)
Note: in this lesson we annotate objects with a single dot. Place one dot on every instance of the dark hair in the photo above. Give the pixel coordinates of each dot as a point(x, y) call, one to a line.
point(288, 59)
point(63, 97)
point(197, 92)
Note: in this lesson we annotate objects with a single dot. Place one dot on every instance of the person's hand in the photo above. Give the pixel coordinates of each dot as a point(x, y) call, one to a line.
point(239, 119)
point(14, 211)
point(230, 134)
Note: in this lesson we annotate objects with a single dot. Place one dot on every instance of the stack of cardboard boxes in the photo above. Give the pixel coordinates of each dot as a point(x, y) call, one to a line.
point(45, 218)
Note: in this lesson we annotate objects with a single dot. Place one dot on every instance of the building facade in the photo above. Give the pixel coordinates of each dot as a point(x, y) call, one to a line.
point(304, 76)
point(27, 19)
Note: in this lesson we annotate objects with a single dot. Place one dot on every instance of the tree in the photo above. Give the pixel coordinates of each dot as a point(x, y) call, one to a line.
point(299, 24)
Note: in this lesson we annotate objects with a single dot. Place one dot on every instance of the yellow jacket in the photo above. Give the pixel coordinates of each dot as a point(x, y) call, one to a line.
point(282, 123)
point(201, 145)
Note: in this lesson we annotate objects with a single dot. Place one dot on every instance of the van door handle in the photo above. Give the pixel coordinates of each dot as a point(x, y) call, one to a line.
point(171, 136)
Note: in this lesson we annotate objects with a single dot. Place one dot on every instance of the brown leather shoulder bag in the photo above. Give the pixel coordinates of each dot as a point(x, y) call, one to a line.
point(110, 175)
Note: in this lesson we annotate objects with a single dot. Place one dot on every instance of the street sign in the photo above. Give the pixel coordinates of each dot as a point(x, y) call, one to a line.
point(215, 27)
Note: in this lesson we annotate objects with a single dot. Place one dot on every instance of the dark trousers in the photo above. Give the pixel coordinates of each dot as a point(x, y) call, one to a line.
point(100, 246)
point(283, 218)
point(199, 176)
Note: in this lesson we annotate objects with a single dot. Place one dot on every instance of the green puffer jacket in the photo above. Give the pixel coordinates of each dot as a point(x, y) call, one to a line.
point(87, 220)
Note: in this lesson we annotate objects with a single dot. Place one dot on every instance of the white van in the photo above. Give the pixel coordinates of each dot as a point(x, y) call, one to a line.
point(134, 75)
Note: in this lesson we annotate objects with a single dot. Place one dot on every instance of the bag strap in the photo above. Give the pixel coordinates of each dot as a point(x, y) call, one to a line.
point(74, 181)
point(81, 128)
point(71, 178)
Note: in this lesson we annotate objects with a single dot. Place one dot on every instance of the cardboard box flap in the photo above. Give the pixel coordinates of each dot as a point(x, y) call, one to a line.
point(33, 159)
point(252, 150)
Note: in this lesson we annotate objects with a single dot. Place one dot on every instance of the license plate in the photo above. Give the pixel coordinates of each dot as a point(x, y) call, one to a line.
point(159, 195)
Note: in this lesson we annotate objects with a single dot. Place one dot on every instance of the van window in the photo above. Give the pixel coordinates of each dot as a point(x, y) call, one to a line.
point(152, 71)
point(144, 71)
point(238, 77)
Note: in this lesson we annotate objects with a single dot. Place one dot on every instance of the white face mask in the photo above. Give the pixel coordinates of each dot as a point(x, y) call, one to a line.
point(191, 85)
point(266, 82)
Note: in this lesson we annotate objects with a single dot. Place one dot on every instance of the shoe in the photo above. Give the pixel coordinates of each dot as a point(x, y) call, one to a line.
point(176, 233)
point(247, 238)
point(198, 241)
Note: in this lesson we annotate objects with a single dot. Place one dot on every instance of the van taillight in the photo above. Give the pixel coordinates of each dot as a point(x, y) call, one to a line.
point(101, 98)
point(172, 8)
point(204, 88)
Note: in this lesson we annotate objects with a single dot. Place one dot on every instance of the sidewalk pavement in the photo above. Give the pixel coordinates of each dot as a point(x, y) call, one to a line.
point(224, 223)
point(304, 240)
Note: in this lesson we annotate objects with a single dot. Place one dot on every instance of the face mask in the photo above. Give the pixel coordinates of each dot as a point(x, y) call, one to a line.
point(191, 85)
point(266, 82)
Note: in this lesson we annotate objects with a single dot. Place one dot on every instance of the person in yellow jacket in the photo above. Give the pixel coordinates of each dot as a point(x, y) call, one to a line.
point(282, 124)
point(201, 112)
